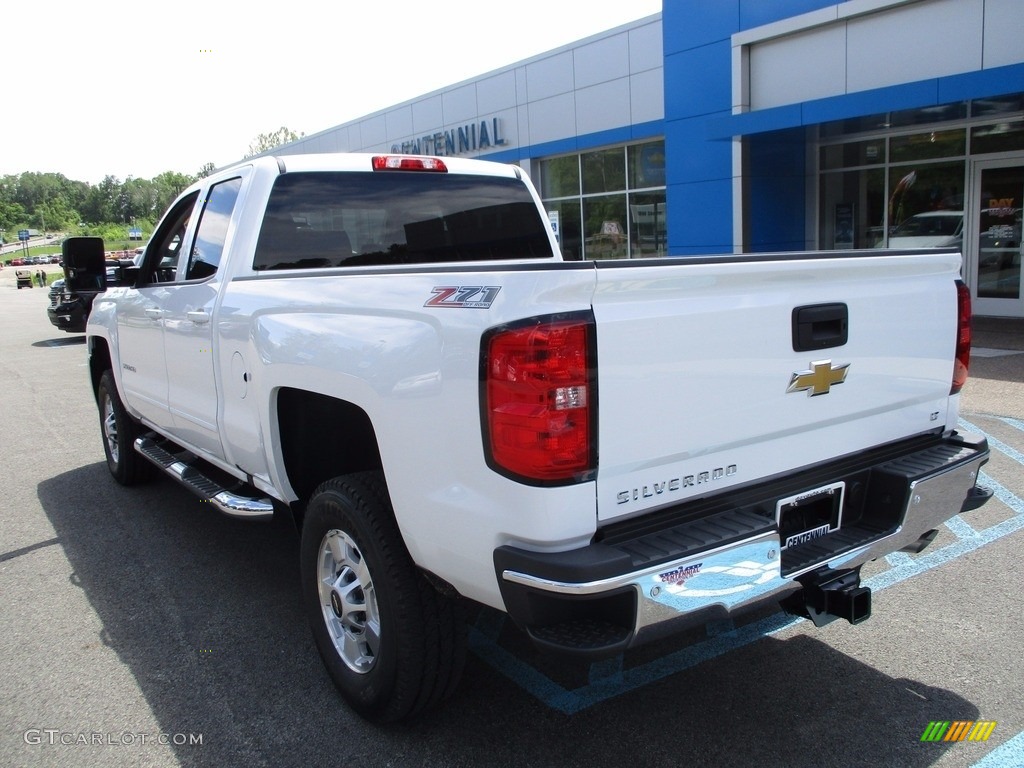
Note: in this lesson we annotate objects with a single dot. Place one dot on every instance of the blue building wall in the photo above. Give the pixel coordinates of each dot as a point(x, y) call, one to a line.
point(698, 95)
point(777, 181)
point(700, 126)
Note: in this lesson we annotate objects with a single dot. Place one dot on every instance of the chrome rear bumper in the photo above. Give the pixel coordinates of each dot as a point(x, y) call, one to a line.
point(596, 601)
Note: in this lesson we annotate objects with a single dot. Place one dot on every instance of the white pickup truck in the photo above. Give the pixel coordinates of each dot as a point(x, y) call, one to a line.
point(391, 350)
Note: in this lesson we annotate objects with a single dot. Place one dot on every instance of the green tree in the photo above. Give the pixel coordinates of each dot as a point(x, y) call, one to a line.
point(169, 185)
point(12, 216)
point(54, 216)
point(268, 141)
point(206, 170)
point(52, 202)
point(101, 201)
point(141, 199)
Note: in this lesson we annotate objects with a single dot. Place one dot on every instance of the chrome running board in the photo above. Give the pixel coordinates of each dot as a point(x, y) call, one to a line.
point(231, 504)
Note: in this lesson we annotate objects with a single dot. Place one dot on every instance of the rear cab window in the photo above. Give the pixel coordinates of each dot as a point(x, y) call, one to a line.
point(339, 219)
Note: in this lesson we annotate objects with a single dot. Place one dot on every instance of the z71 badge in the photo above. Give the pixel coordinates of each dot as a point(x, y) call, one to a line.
point(463, 296)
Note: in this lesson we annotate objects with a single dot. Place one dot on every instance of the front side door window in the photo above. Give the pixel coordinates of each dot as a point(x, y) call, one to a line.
point(211, 234)
point(161, 259)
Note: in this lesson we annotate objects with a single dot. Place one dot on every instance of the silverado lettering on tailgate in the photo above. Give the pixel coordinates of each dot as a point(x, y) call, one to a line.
point(675, 484)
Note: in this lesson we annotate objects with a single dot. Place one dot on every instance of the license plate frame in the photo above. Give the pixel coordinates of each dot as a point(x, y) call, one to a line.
point(809, 515)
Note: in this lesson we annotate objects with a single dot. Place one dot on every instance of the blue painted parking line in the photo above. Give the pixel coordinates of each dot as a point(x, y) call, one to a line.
point(896, 559)
point(971, 541)
point(1007, 755)
point(999, 445)
point(960, 528)
point(571, 701)
point(608, 679)
point(1013, 422)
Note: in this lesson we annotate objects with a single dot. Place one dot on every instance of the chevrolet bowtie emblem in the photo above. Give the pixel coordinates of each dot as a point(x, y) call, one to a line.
point(819, 379)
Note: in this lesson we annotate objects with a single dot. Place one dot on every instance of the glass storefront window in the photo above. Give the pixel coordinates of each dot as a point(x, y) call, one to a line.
point(647, 229)
point(928, 146)
point(610, 203)
point(941, 113)
point(560, 176)
point(855, 125)
point(1001, 137)
point(604, 171)
point(604, 227)
point(951, 179)
point(999, 233)
point(998, 105)
point(926, 206)
point(647, 165)
point(852, 154)
point(852, 209)
point(570, 236)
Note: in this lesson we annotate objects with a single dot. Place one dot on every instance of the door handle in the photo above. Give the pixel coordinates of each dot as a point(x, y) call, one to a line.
point(198, 316)
point(154, 312)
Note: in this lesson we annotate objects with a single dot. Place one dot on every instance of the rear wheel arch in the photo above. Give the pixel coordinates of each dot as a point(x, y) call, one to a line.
point(322, 437)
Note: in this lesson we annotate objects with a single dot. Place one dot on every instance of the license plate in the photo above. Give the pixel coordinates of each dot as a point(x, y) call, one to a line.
point(810, 515)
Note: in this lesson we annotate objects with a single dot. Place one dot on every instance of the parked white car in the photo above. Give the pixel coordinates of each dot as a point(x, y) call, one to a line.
point(931, 229)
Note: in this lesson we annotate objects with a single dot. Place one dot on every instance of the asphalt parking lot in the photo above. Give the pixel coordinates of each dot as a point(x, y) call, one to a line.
point(141, 629)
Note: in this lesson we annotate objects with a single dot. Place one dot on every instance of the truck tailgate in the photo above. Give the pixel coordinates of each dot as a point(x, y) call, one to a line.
point(702, 388)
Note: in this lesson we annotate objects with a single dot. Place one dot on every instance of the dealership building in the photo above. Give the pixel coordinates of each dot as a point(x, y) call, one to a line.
point(741, 126)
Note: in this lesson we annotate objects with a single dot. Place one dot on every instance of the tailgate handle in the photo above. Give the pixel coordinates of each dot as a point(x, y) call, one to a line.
point(820, 326)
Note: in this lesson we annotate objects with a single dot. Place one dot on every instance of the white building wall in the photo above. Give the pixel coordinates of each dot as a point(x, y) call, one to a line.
point(607, 81)
point(1004, 33)
point(860, 45)
point(914, 42)
point(646, 97)
point(601, 61)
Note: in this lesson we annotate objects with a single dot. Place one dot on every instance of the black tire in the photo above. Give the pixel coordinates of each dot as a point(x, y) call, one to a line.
point(119, 431)
point(392, 644)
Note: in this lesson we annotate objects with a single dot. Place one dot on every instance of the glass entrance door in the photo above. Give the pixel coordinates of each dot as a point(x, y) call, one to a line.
point(993, 245)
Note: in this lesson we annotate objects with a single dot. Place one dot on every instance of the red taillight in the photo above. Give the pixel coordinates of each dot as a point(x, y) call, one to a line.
point(963, 337)
point(540, 400)
point(404, 163)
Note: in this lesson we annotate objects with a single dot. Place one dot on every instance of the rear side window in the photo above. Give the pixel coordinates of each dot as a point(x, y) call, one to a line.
point(323, 219)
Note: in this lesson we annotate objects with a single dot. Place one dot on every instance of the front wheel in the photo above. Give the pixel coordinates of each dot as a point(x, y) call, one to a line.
point(119, 431)
point(392, 644)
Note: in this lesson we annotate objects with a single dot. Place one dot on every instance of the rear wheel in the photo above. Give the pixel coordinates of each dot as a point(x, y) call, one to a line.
point(392, 644)
point(119, 431)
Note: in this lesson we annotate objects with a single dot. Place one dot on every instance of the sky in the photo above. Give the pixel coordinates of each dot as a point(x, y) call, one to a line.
point(135, 89)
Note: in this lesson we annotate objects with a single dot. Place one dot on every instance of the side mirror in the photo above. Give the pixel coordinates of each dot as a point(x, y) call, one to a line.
point(84, 264)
